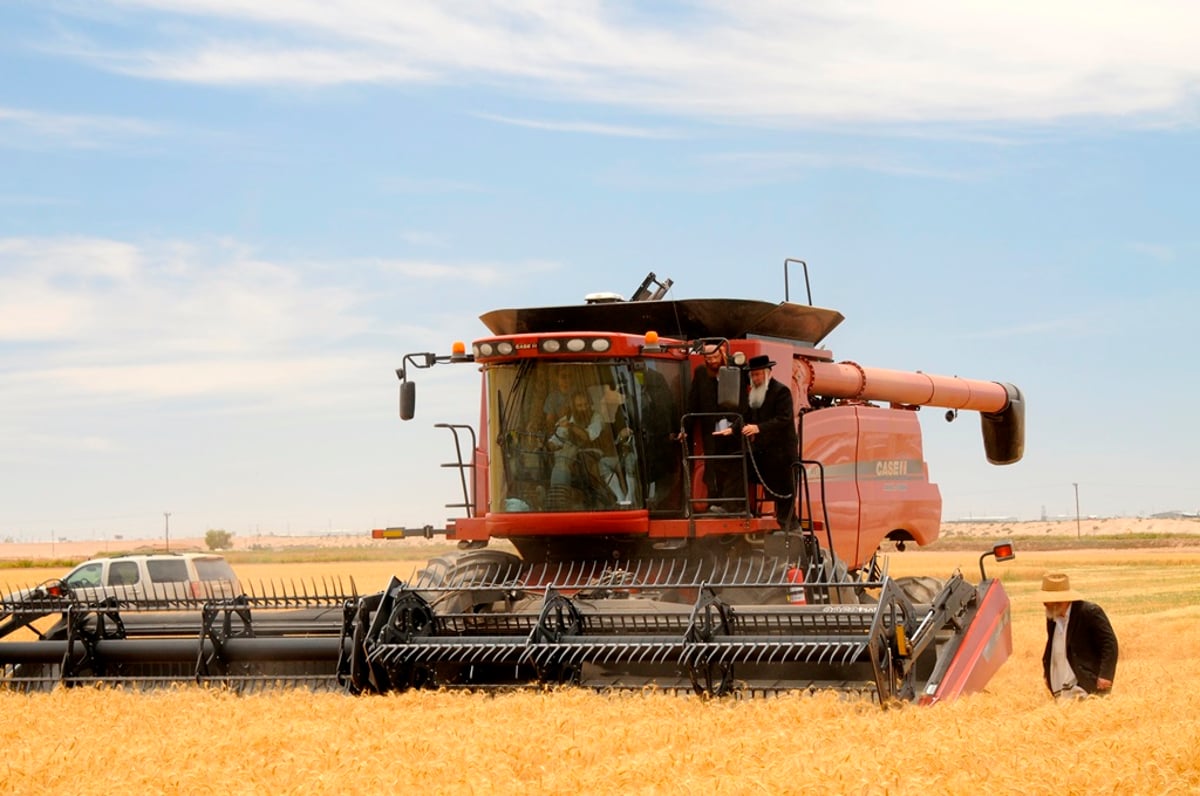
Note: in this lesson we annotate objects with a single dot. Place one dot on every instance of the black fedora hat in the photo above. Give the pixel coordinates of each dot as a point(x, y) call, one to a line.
point(759, 362)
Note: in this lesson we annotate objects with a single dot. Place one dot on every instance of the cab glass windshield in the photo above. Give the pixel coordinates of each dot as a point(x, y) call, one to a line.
point(584, 436)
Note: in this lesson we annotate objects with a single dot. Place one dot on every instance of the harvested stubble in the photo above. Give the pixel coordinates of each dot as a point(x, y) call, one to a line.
point(1011, 739)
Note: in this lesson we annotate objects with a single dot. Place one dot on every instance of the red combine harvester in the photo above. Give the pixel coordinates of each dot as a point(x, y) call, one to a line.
point(627, 573)
point(614, 567)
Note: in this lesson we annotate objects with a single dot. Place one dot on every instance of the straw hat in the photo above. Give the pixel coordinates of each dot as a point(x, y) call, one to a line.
point(1056, 588)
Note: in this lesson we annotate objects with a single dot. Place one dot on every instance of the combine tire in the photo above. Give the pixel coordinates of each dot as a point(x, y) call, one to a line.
point(452, 575)
point(920, 589)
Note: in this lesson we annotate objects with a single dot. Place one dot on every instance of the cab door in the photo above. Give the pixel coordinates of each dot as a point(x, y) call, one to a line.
point(830, 437)
point(124, 581)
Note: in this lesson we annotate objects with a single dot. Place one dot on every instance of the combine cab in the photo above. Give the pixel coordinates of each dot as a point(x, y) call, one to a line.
point(596, 557)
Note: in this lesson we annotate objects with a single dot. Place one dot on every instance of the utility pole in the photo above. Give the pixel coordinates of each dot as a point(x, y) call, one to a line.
point(1078, 533)
point(167, 520)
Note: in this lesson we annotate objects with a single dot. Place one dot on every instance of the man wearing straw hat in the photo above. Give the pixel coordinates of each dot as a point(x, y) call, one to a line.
point(1081, 647)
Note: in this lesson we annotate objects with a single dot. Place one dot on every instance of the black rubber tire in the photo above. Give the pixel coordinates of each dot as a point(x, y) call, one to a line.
point(460, 569)
point(919, 588)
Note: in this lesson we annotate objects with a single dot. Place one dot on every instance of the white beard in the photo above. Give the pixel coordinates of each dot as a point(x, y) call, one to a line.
point(758, 395)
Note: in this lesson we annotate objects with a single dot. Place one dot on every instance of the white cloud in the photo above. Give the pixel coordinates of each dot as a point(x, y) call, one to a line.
point(97, 319)
point(168, 298)
point(766, 63)
point(90, 443)
point(107, 318)
point(252, 64)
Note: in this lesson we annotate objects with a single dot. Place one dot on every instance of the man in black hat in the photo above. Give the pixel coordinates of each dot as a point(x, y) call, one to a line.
point(770, 430)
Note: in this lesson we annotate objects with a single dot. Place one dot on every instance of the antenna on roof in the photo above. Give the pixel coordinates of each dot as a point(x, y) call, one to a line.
point(643, 293)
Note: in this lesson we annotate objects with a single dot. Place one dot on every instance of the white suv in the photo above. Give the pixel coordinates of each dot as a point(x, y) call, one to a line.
point(159, 576)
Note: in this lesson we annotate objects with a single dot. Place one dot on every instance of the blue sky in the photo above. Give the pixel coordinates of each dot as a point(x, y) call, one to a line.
point(224, 222)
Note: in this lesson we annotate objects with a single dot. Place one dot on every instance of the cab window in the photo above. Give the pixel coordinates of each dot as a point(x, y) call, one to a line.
point(584, 435)
point(123, 573)
point(85, 576)
point(169, 571)
point(214, 569)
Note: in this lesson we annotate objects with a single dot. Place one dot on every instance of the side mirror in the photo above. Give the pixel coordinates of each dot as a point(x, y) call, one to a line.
point(408, 399)
point(729, 388)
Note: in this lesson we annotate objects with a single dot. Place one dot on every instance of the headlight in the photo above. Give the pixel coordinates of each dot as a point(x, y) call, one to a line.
point(601, 344)
point(575, 344)
point(550, 346)
point(504, 347)
point(485, 349)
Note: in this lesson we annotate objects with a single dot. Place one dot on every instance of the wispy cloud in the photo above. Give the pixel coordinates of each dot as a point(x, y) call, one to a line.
point(590, 128)
point(781, 166)
point(421, 238)
point(31, 200)
point(469, 273)
point(1154, 251)
point(423, 186)
point(31, 129)
point(1069, 326)
point(253, 64)
point(766, 63)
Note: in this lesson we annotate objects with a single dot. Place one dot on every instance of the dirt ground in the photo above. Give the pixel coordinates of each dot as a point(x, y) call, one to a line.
point(1104, 526)
point(1108, 526)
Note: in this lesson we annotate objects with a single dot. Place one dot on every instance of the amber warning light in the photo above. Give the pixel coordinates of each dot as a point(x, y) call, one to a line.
point(1002, 551)
point(458, 351)
point(651, 342)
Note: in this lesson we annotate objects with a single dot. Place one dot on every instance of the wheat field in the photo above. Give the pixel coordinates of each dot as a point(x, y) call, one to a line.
point(1144, 739)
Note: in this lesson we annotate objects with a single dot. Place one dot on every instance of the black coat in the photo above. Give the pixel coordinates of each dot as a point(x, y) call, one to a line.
point(1091, 646)
point(702, 399)
point(774, 447)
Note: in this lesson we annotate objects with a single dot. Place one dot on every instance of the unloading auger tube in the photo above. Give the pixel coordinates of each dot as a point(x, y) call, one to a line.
point(1001, 406)
point(677, 629)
